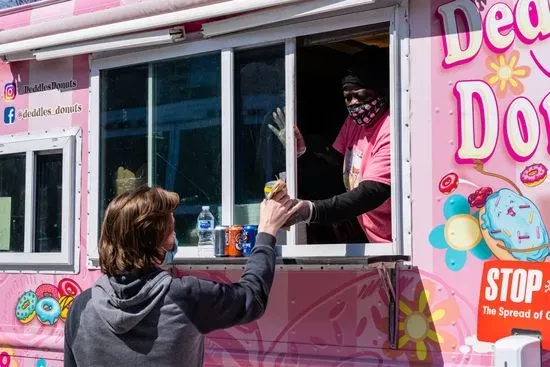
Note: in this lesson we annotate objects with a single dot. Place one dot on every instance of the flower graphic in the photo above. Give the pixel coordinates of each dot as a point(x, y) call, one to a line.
point(421, 329)
point(461, 233)
point(505, 73)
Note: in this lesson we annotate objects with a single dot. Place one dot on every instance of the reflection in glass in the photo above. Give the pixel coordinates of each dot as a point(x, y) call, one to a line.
point(4, 4)
point(259, 155)
point(123, 132)
point(12, 202)
point(49, 176)
point(187, 137)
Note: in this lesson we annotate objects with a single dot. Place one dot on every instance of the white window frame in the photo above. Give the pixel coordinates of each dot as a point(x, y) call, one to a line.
point(396, 16)
point(68, 142)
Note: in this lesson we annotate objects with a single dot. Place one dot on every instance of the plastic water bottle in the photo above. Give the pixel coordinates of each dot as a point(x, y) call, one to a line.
point(205, 229)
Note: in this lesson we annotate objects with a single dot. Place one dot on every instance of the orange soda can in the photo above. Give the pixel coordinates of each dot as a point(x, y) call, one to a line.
point(234, 245)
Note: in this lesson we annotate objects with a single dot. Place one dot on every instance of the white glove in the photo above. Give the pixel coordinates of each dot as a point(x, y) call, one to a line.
point(280, 120)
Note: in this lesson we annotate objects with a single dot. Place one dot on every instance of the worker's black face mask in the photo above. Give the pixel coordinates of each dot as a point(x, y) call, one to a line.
point(368, 111)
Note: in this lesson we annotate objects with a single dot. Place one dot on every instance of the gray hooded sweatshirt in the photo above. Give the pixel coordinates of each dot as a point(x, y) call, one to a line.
point(158, 320)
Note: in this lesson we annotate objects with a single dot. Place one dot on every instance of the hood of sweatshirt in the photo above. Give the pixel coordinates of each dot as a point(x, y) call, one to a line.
point(123, 301)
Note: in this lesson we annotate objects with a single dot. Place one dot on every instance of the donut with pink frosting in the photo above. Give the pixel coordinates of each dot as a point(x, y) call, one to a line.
point(534, 174)
point(47, 290)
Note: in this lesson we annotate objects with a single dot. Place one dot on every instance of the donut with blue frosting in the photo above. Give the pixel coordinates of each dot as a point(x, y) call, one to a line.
point(48, 310)
point(513, 228)
point(25, 310)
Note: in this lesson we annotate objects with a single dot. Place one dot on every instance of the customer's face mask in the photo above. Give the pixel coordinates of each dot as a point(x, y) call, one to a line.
point(170, 254)
point(368, 111)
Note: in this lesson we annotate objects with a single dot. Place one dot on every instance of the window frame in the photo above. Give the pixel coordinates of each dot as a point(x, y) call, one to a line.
point(68, 142)
point(397, 18)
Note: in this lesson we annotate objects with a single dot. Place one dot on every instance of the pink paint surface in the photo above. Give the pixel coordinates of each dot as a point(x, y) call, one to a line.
point(52, 13)
point(322, 318)
point(87, 6)
point(16, 20)
point(18, 73)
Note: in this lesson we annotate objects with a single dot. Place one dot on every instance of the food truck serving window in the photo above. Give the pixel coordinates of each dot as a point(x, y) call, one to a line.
point(37, 201)
point(209, 120)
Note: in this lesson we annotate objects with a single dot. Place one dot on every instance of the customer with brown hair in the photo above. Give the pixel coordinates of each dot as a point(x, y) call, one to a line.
point(137, 314)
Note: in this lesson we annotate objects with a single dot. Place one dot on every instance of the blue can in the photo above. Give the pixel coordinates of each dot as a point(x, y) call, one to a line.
point(249, 238)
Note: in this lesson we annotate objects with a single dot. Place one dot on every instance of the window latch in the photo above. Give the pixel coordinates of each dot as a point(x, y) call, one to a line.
point(177, 34)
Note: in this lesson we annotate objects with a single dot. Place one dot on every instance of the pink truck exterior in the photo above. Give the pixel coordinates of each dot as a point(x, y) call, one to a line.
point(476, 121)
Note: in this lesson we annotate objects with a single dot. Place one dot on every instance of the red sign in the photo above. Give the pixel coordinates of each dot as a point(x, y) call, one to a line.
point(514, 295)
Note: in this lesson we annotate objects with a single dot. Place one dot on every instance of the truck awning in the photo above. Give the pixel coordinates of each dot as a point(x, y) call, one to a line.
point(154, 28)
point(141, 17)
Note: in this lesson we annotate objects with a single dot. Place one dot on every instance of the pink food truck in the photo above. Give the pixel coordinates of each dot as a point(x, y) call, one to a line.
point(98, 97)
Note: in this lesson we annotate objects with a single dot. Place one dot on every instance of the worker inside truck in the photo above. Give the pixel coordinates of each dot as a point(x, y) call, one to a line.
point(161, 123)
point(350, 85)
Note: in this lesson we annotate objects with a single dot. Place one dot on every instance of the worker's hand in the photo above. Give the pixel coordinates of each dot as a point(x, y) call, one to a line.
point(274, 213)
point(303, 213)
point(279, 130)
point(305, 209)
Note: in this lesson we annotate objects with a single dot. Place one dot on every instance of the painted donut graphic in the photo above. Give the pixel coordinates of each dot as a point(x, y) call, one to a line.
point(47, 290)
point(448, 183)
point(48, 310)
point(513, 228)
point(65, 303)
point(68, 287)
point(534, 174)
point(25, 310)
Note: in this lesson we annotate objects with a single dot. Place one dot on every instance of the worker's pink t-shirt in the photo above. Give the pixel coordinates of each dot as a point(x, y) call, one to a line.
point(367, 156)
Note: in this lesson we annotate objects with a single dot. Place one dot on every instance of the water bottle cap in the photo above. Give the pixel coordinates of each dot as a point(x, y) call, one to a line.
point(206, 207)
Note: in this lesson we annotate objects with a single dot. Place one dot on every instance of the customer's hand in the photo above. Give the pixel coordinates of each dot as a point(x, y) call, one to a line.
point(280, 120)
point(274, 213)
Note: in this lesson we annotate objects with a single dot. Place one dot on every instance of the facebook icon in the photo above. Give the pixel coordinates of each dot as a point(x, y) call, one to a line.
point(9, 115)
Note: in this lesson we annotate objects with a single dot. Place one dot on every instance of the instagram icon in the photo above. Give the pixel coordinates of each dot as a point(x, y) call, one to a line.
point(10, 91)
